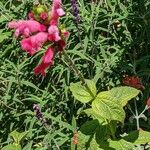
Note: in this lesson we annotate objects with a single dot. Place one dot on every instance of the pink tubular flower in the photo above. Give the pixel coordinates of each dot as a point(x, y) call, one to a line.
point(53, 33)
point(56, 12)
point(42, 28)
point(26, 27)
point(47, 61)
point(34, 43)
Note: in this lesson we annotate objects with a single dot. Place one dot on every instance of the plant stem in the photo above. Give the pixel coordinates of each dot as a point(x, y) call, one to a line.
point(146, 107)
point(137, 116)
point(79, 74)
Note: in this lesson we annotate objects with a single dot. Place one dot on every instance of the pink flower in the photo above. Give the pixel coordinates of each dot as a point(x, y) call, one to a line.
point(53, 33)
point(47, 61)
point(34, 43)
point(43, 15)
point(56, 12)
point(26, 27)
point(148, 102)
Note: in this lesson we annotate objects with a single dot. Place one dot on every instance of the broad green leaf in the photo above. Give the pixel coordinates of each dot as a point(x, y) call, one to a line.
point(96, 129)
point(121, 145)
point(12, 147)
point(124, 94)
point(108, 107)
point(81, 93)
point(94, 115)
point(87, 142)
point(138, 137)
point(17, 137)
point(89, 127)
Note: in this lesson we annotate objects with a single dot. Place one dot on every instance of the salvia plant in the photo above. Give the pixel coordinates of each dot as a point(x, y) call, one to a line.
point(75, 75)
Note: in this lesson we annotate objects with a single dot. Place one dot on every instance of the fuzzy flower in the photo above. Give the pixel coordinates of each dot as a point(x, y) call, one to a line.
point(26, 27)
point(34, 43)
point(133, 81)
point(56, 12)
point(47, 61)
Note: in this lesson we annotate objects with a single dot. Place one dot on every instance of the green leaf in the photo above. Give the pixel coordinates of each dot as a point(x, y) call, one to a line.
point(12, 147)
point(91, 112)
point(81, 93)
point(17, 137)
point(29, 84)
point(121, 145)
point(28, 146)
point(138, 137)
point(108, 107)
point(89, 127)
point(96, 129)
point(124, 94)
point(87, 142)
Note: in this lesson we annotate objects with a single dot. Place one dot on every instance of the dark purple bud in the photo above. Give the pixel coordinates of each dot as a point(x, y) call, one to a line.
point(75, 10)
point(39, 114)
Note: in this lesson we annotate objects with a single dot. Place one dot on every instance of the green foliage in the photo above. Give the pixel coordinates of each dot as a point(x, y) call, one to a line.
point(12, 147)
point(123, 94)
point(138, 137)
point(108, 107)
point(114, 40)
point(81, 93)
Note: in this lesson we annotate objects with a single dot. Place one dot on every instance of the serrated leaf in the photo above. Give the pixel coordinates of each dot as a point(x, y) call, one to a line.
point(124, 94)
point(81, 93)
point(138, 137)
point(108, 107)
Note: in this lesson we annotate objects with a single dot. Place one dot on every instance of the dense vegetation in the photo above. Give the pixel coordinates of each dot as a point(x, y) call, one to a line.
point(109, 43)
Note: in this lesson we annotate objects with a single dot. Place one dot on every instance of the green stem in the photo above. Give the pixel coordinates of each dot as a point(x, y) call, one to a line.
point(137, 116)
point(79, 74)
point(111, 130)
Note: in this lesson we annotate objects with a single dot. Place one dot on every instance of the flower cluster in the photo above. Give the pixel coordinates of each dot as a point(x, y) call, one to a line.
point(42, 28)
point(75, 137)
point(133, 81)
